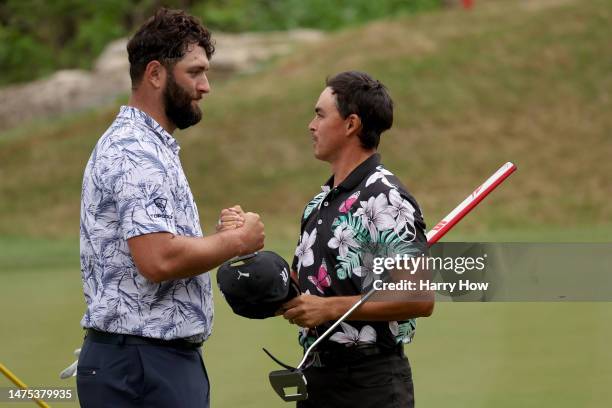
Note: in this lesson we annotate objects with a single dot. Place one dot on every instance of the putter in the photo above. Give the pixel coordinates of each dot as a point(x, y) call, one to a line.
point(290, 383)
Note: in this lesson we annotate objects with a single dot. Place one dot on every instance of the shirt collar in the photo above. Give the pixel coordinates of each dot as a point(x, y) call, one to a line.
point(130, 112)
point(357, 175)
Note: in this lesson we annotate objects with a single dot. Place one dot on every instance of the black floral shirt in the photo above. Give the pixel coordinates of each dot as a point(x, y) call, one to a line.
point(370, 208)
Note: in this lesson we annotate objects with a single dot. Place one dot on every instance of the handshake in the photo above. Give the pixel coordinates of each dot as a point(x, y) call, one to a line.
point(248, 226)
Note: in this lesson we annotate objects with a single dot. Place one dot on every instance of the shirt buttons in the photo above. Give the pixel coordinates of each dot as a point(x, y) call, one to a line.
point(325, 203)
point(320, 221)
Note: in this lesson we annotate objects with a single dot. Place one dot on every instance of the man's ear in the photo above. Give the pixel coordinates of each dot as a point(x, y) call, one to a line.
point(155, 74)
point(353, 123)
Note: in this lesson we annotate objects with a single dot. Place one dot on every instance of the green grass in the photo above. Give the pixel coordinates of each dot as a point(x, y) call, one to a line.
point(465, 355)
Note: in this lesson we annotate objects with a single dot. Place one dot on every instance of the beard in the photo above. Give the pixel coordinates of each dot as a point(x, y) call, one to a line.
point(178, 105)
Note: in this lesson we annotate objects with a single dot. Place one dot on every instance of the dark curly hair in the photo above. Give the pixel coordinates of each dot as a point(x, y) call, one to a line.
point(166, 37)
point(359, 93)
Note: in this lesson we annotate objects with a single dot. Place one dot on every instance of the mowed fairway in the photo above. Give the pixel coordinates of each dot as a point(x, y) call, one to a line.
point(466, 355)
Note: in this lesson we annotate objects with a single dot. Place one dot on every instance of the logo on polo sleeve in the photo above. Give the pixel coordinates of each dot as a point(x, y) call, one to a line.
point(160, 210)
point(161, 204)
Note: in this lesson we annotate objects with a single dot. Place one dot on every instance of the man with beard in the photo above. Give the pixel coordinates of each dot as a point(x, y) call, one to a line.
point(143, 255)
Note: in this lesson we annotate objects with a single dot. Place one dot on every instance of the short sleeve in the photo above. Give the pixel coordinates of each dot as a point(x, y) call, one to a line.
point(143, 195)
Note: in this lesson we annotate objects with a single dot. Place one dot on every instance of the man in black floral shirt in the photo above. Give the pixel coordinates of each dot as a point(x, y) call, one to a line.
point(362, 206)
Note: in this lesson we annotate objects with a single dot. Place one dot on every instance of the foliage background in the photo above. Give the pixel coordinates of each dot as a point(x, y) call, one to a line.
point(71, 33)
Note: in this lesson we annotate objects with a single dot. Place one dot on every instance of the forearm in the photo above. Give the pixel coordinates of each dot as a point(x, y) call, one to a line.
point(378, 310)
point(190, 256)
point(164, 256)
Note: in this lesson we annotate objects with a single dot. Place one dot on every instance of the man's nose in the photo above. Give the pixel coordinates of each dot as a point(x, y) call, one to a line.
point(203, 85)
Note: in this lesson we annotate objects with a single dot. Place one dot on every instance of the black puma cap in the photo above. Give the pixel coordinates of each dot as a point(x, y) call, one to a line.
point(256, 285)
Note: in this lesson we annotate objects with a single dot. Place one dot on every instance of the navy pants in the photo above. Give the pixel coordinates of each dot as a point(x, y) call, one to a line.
point(370, 382)
point(152, 376)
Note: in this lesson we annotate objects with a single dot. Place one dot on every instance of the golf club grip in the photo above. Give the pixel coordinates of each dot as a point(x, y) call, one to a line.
point(433, 236)
point(471, 201)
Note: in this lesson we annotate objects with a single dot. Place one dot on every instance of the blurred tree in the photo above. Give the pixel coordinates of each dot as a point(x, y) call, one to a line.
point(40, 36)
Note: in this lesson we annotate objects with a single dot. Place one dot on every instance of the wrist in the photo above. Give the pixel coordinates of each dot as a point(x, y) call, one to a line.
point(235, 242)
point(333, 305)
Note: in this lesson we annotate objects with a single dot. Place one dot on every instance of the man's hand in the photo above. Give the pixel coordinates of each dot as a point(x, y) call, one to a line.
point(230, 218)
point(251, 234)
point(252, 229)
point(308, 310)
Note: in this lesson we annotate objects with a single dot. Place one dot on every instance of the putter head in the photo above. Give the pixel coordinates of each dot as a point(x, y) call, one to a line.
point(290, 385)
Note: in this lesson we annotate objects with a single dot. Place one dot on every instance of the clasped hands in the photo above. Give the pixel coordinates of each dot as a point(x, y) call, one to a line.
point(251, 234)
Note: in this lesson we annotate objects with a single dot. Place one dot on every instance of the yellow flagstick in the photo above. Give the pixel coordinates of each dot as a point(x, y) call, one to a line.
point(20, 384)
